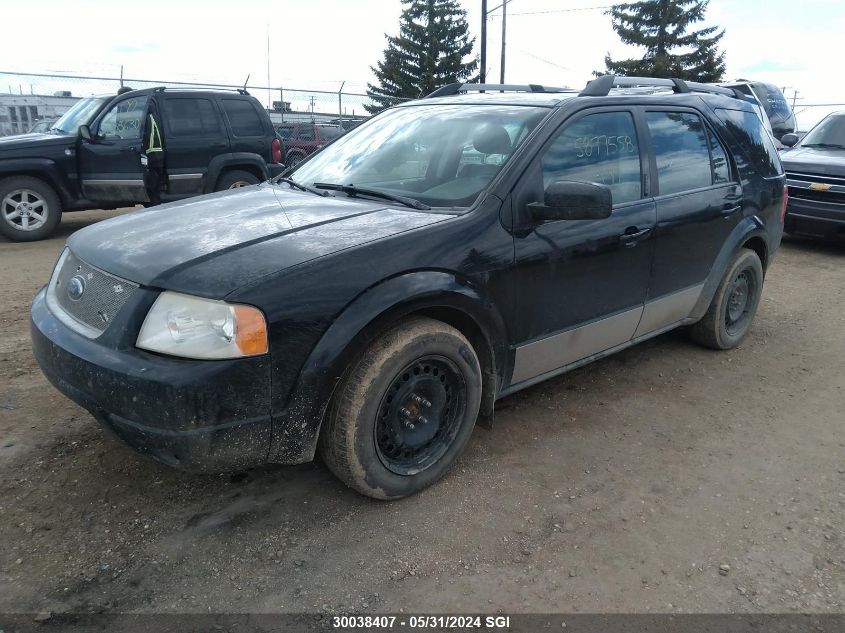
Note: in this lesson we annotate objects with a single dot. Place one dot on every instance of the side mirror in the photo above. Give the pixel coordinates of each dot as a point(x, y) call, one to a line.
point(567, 200)
point(790, 140)
point(85, 133)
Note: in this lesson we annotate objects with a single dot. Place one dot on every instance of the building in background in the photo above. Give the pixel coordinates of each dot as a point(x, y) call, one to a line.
point(18, 113)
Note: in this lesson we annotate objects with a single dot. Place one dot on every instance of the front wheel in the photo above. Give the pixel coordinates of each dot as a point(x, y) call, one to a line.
point(29, 208)
point(728, 319)
point(405, 410)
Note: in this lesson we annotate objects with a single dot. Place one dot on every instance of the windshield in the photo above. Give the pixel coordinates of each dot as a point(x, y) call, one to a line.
point(440, 155)
point(831, 131)
point(80, 114)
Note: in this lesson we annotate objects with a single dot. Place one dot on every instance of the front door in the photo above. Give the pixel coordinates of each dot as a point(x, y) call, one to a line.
point(110, 164)
point(581, 284)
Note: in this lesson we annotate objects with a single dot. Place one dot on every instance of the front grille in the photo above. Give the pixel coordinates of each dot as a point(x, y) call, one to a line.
point(94, 307)
point(833, 197)
point(808, 178)
point(816, 187)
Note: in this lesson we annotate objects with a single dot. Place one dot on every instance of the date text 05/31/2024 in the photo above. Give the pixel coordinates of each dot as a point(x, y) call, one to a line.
point(341, 622)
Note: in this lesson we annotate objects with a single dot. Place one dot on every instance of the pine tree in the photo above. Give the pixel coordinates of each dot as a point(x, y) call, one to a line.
point(672, 50)
point(429, 51)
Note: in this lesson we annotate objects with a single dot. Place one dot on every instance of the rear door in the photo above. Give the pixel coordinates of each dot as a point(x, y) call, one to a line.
point(194, 134)
point(110, 164)
point(250, 132)
point(698, 204)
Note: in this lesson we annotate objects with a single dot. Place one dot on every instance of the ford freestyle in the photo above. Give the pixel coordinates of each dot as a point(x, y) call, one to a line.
point(374, 302)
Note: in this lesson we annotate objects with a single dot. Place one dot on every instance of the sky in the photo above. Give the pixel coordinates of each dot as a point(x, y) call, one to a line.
point(319, 44)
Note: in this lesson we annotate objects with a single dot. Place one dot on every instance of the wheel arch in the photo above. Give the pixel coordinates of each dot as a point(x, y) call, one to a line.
point(438, 295)
point(219, 165)
point(751, 233)
point(43, 169)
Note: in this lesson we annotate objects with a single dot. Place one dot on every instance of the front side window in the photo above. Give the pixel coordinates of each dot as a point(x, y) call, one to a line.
point(443, 155)
point(124, 120)
point(681, 150)
point(600, 148)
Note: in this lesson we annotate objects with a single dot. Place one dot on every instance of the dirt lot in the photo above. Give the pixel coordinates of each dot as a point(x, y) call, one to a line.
point(622, 486)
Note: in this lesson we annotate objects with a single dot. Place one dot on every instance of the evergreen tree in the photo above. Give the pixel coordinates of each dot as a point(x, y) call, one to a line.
point(429, 51)
point(672, 49)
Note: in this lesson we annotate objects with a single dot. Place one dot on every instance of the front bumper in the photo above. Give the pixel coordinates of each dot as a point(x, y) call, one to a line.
point(202, 416)
point(814, 218)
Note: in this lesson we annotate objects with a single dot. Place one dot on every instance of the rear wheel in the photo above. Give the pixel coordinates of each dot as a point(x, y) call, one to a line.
point(235, 179)
point(405, 410)
point(294, 159)
point(728, 319)
point(29, 208)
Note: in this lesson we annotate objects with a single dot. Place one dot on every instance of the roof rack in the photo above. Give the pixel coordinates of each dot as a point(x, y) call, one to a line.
point(241, 91)
point(456, 88)
point(601, 86)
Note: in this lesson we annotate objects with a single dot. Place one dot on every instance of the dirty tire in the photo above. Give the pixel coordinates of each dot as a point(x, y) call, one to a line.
point(373, 439)
point(43, 201)
point(234, 179)
point(728, 319)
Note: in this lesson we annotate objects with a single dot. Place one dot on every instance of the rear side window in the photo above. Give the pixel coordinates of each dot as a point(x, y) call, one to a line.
point(285, 131)
point(755, 141)
point(329, 133)
point(192, 117)
point(721, 166)
point(243, 117)
point(681, 150)
point(600, 148)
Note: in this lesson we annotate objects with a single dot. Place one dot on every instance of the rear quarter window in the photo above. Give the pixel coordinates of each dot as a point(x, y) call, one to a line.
point(747, 129)
point(243, 117)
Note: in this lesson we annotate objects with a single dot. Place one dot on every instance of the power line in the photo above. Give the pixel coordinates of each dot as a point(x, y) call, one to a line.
point(608, 6)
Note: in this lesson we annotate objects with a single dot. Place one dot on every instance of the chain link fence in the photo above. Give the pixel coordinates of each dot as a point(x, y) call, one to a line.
point(29, 98)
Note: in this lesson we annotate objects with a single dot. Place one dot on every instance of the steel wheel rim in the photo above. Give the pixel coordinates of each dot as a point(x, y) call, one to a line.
point(420, 415)
point(741, 297)
point(239, 183)
point(24, 210)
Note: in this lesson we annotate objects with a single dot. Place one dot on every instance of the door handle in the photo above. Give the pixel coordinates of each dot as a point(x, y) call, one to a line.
point(633, 235)
point(129, 150)
point(729, 208)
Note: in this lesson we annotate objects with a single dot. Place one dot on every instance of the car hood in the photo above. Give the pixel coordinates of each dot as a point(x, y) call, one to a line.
point(34, 141)
point(211, 245)
point(814, 160)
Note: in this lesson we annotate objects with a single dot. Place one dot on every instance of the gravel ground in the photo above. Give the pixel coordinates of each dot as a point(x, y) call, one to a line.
point(667, 478)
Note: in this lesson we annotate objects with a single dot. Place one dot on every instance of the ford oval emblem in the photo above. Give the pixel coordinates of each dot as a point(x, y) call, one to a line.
point(76, 288)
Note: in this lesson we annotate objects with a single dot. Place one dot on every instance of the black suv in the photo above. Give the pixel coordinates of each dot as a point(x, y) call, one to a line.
point(91, 158)
point(815, 171)
point(443, 255)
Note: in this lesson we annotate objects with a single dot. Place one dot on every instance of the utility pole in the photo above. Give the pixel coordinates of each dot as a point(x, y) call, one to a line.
point(504, 27)
point(269, 92)
point(482, 77)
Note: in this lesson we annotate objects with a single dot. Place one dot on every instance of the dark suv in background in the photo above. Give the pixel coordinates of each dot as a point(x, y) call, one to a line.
point(491, 240)
point(91, 157)
point(815, 171)
point(303, 139)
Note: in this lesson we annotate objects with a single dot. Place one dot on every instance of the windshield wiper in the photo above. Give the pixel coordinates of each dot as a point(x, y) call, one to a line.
point(825, 145)
point(301, 187)
point(352, 190)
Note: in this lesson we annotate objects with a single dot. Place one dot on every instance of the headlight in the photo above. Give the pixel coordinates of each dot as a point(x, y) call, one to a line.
point(182, 325)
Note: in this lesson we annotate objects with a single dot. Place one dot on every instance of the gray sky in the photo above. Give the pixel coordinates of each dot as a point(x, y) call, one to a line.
point(317, 44)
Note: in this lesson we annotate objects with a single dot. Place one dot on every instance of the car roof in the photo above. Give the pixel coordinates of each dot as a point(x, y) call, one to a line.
point(542, 99)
